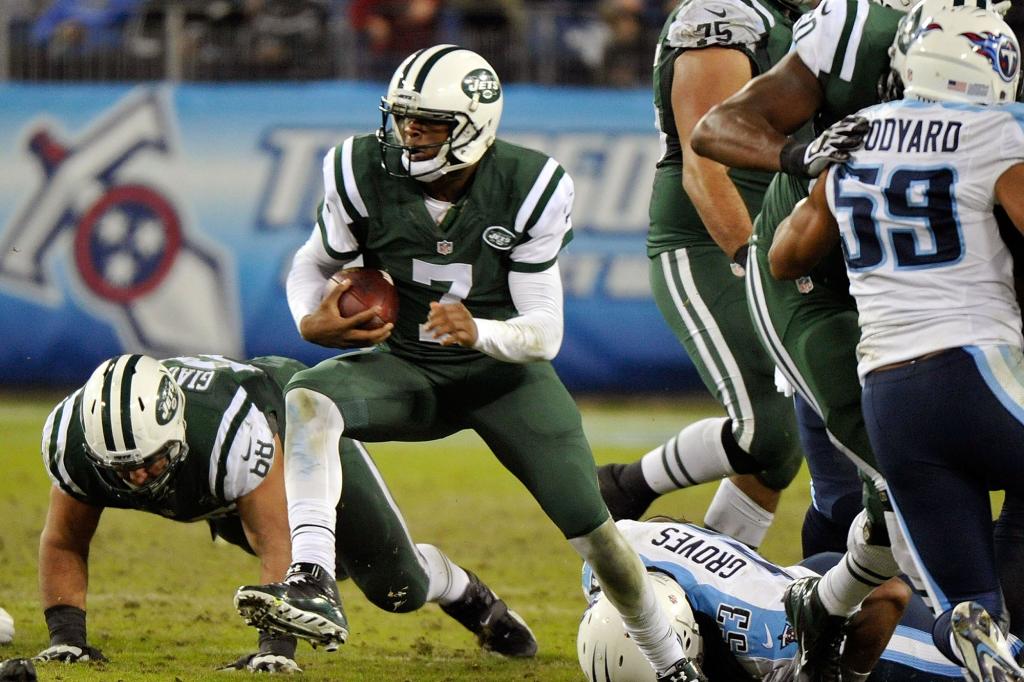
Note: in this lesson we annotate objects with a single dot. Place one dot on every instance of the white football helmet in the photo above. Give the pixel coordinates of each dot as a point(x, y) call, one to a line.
point(911, 26)
point(962, 54)
point(133, 413)
point(446, 84)
point(607, 654)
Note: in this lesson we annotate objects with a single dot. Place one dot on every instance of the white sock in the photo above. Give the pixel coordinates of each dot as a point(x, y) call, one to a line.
point(447, 581)
point(733, 513)
point(312, 475)
point(863, 568)
point(652, 631)
point(627, 586)
point(695, 455)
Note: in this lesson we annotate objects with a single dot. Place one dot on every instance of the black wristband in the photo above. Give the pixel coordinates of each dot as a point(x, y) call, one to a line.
point(66, 625)
point(277, 644)
point(740, 256)
point(791, 158)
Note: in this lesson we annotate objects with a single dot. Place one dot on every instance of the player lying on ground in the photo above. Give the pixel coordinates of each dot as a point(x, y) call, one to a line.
point(198, 438)
point(726, 602)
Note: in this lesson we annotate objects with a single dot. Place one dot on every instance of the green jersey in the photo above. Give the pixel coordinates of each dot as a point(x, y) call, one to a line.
point(845, 44)
point(515, 216)
point(231, 414)
point(761, 30)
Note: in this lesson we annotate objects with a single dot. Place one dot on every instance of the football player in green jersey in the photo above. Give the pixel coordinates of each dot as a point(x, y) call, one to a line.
point(839, 64)
point(469, 228)
point(700, 216)
point(195, 438)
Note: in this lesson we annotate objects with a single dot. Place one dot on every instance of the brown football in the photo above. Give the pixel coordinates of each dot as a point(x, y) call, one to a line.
point(370, 287)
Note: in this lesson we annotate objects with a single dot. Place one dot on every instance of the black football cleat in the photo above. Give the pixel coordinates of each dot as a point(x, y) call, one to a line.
point(306, 604)
point(683, 670)
point(497, 627)
point(819, 634)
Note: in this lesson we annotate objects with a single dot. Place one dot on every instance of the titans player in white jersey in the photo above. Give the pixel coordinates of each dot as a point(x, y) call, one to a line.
point(940, 348)
point(736, 600)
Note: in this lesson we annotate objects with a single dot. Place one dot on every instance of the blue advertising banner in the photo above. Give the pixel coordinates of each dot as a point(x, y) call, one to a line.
point(162, 219)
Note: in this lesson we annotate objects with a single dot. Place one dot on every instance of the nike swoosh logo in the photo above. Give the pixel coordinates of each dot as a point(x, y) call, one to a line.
point(717, 14)
point(768, 642)
point(825, 10)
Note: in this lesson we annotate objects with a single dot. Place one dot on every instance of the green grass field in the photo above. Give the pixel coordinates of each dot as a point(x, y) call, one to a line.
point(160, 592)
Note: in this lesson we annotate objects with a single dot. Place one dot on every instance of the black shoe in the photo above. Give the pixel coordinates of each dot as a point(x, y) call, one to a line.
point(17, 670)
point(683, 670)
point(497, 627)
point(819, 634)
point(305, 605)
point(624, 501)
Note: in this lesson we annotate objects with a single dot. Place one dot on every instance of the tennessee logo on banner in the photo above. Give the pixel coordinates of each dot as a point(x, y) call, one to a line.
point(104, 207)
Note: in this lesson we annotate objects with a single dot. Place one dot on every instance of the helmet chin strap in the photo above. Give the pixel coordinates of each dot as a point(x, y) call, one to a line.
point(427, 170)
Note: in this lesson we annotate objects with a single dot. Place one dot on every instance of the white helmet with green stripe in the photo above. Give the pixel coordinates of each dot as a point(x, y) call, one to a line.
point(133, 417)
point(445, 84)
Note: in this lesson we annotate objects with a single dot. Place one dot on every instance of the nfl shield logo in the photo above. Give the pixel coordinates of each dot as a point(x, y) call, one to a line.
point(444, 247)
point(805, 285)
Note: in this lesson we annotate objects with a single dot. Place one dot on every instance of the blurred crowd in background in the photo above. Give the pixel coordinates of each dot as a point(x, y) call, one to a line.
point(583, 42)
point(578, 42)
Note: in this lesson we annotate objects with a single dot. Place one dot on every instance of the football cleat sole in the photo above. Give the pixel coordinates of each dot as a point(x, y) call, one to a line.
point(265, 611)
point(982, 646)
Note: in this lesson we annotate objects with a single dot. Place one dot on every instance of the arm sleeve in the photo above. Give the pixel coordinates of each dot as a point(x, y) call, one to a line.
point(331, 245)
point(536, 333)
point(311, 268)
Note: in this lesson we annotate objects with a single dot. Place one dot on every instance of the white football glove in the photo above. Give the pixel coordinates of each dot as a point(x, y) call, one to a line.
point(832, 146)
point(265, 662)
point(68, 653)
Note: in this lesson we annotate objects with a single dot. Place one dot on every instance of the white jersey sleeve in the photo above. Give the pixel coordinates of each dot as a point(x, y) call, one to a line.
point(817, 35)
point(54, 446)
point(242, 452)
point(332, 245)
point(734, 23)
point(546, 217)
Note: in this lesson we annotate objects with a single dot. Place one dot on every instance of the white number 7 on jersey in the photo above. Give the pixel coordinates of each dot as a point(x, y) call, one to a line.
point(459, 274)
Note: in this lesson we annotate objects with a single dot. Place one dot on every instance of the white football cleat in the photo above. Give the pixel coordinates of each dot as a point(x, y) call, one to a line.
point(982, 645)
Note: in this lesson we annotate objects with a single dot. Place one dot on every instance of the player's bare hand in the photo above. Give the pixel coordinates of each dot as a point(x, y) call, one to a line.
point(326, 327)
point(451, 324)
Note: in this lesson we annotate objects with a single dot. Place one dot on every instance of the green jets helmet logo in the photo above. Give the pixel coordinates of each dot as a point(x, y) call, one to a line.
point(166, 401)
point(483, 85)
point(499, 237)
